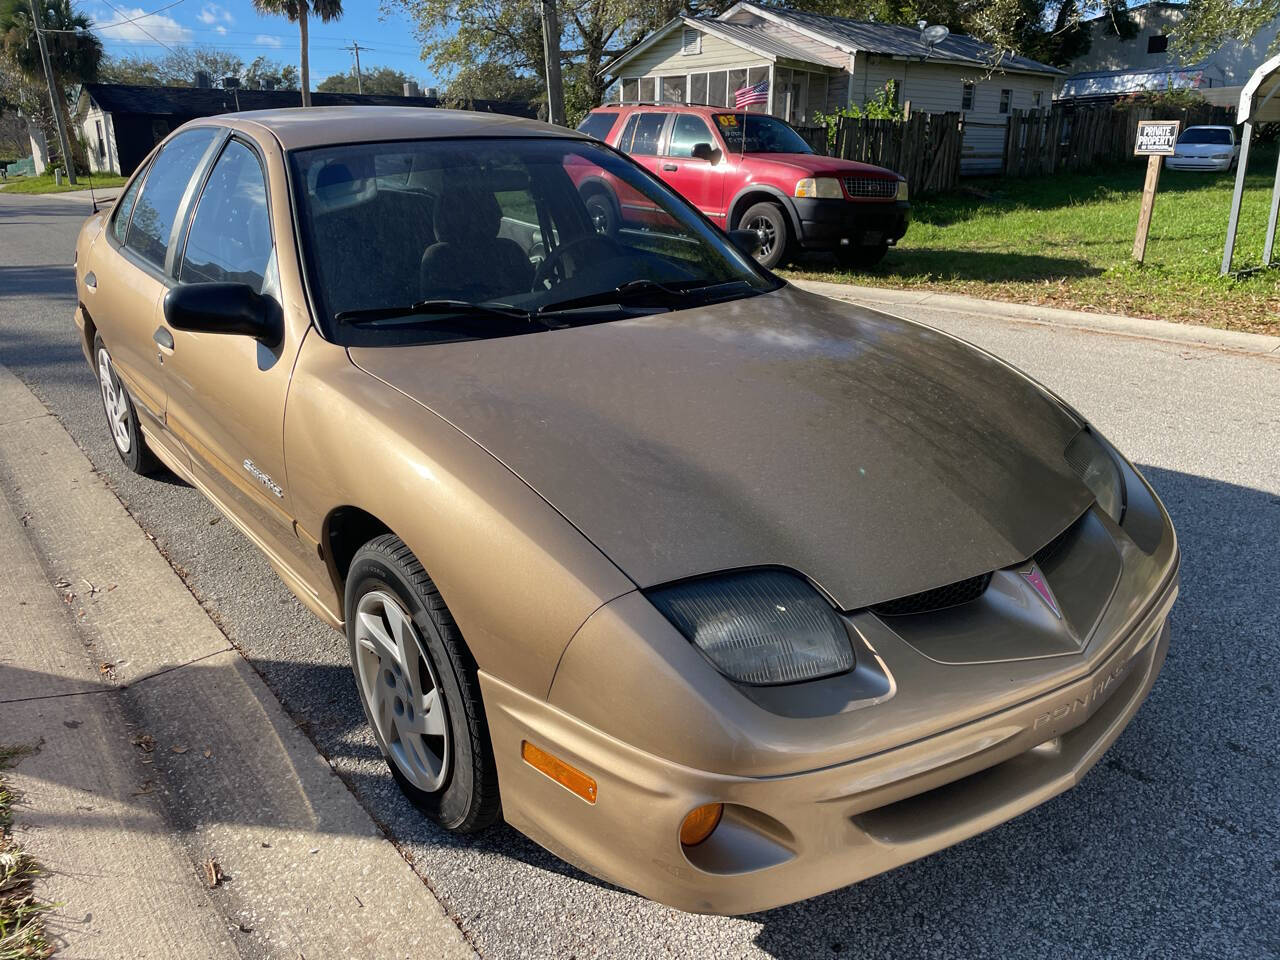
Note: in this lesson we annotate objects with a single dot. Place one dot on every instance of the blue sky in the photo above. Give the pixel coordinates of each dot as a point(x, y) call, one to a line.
point(235, 25)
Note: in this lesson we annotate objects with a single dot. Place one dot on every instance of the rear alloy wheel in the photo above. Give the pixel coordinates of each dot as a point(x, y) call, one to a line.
point(861, 258)
point(769, 222)
point(419, 687)
point(122, 417)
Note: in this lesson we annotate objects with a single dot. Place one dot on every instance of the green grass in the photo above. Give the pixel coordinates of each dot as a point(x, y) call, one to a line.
point(22, 933)
point(45, 184)
point(1067, 241)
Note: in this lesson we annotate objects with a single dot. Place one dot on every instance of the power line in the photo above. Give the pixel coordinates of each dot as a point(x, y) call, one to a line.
point(140, 27)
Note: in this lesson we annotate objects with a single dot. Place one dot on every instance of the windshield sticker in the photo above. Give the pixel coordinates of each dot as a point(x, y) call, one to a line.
point(727, 119)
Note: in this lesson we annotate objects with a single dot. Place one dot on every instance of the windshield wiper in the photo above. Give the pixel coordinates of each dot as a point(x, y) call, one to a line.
point(437, 310)
point(641, 292)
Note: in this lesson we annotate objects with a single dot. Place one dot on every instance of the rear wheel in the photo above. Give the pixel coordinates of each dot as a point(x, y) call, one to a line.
point(122, 416)
point(861, 258)
point(419, 687)
point(769, 222)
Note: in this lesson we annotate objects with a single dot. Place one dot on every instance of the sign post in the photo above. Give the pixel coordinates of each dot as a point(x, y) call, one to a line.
point(1156, 139)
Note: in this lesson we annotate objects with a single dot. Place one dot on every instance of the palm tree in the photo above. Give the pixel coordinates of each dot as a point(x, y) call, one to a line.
point(297, 11)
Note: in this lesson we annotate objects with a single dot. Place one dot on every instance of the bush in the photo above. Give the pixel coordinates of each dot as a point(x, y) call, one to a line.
point(883, 106)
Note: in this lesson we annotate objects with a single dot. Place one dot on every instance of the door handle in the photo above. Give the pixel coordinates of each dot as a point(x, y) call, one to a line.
point(163, 338)
point(670, 166)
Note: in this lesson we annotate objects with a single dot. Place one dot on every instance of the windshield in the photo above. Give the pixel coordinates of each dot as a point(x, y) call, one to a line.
point(431, 240)
point(1205, 135)
point(764, 134)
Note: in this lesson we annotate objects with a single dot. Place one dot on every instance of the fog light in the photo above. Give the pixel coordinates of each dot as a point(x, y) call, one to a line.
point(700, 822)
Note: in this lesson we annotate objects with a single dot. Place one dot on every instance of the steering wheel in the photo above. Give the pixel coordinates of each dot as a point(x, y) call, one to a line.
point(551, 267)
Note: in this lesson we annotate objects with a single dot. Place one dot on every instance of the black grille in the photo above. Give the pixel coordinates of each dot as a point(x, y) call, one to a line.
point(939, 598)
point(880, 187)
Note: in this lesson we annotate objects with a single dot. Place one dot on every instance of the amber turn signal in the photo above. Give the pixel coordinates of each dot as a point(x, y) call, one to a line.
point(571, 778)
point(700, 822)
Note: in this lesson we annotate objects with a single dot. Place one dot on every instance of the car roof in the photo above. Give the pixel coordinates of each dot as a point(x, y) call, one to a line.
point(703, 108)
point(1207, 126)
point(302, 127)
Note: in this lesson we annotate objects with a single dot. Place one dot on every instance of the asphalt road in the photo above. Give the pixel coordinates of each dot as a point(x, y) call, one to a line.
point(1170, 847)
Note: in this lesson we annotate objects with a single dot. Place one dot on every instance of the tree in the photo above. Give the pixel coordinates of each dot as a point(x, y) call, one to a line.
point(74, 53)
point(383, 80)
point(297, 11)
point(178, 69)
point(1209, 24)
point(492, 81)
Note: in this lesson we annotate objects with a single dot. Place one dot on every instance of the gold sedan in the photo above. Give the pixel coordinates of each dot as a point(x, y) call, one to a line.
point(728, 593)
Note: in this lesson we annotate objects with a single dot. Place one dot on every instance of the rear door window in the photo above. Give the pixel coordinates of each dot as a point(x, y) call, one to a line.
point(642, 133)
point(230, 237)
point(157, 207)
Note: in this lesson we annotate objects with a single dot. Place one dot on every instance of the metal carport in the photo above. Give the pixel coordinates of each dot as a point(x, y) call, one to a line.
point(1258, 104)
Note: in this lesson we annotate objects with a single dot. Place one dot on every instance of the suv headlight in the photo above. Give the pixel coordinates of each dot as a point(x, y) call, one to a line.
point(759, 627)
point(902, 190)
point(824, 188)
point(1095, 466)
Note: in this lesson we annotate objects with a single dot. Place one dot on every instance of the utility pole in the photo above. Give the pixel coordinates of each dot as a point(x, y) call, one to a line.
point(37, 15)
point(551, 53)
point(355, 48)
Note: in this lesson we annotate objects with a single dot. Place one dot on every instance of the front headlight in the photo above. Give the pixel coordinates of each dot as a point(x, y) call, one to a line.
point(759, 627)
point(1091, 462)
point(902, 189)
point(824, 188)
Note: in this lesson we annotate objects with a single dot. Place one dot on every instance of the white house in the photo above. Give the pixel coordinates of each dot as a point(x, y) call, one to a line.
point(816, 64)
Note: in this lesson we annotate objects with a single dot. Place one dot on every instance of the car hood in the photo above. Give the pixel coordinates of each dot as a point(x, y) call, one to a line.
point(878, 457)
point(812, 164)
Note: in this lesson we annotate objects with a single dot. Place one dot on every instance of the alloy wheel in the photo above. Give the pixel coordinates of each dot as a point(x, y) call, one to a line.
point(768, 237)
point(114, 401)
point(401, 691)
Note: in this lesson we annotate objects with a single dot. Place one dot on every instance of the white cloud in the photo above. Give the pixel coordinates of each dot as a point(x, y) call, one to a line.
point(220, 29)
point(267, 40)
point(135, 25)
point(212, 13)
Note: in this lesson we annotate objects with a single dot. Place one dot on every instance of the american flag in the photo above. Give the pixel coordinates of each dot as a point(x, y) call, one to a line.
point(748, 95)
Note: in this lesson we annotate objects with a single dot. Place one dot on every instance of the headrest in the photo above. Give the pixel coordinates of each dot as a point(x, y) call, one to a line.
point(466, 213)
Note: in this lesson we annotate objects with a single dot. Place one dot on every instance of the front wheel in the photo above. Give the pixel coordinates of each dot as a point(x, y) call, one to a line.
point(861, 258)
point(122, 416)
point(769, 222)
point(419, 688)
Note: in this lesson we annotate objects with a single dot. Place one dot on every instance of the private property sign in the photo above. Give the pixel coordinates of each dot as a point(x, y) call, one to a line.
point(1156, 138)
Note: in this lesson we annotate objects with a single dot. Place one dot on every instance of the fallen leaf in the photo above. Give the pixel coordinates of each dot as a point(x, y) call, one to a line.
point(212, 873)
point(214, 520)
point(208, 754)
point(179, 749)
point(147, 742)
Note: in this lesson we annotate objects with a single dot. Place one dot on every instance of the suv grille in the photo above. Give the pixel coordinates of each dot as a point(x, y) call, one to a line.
point(939, 598)
point(879, 187)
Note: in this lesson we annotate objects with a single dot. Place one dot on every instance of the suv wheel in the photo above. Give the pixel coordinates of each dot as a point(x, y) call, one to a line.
point(122, 417)
point(603, 215)
point(769, 222)
point(419, 687)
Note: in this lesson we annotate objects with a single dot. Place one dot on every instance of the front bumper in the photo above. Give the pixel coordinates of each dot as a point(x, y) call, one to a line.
point(1198, 163)
point(789, 837)
point(828, 224)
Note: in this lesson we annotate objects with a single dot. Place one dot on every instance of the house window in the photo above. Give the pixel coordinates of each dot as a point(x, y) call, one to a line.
point(630, 90)
point(966, 98)
point(691, 41)
point(102, 146)
point(697, 88)
point(1006, 99)
point(648, 90)
point(718, 88)
point(673, 89)
point(1035, 99)
point(747, 78)
point(1157, 43)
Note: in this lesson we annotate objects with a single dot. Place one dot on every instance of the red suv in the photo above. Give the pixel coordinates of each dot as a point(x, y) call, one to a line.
point(749, 171)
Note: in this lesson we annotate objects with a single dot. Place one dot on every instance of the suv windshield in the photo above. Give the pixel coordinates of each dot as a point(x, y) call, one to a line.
point(432, 240)
point(1205, 135)
point(764, 134)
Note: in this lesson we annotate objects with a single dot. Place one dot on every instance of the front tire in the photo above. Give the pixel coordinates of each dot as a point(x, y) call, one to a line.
point(122, 416)
point(604, 216)
point(419, 688)
point(769, 222)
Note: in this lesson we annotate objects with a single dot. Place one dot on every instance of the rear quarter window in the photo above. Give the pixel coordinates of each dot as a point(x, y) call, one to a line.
point(598, 124)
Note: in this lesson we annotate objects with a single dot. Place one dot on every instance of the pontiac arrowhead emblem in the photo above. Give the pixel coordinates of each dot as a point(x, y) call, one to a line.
point(1034, 577)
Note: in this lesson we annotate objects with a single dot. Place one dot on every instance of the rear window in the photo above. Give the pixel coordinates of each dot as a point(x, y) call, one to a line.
point(598, 124)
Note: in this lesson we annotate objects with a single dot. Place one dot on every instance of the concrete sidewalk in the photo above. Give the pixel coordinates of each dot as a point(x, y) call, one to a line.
point(897, 301)
point(157, 748)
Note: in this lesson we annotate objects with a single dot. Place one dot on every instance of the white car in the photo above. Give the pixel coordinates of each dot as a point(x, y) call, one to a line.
point(1205, 148)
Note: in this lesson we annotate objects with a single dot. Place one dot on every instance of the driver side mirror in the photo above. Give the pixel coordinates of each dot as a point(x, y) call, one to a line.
point(705, 151)
point(233, 308)
point(746, 241)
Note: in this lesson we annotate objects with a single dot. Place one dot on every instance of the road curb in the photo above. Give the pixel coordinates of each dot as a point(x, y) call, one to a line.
point(1256, 344)
point(308, 871)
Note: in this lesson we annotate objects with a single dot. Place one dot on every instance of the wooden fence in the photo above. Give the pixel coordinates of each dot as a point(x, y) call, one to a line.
point(927, 148)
